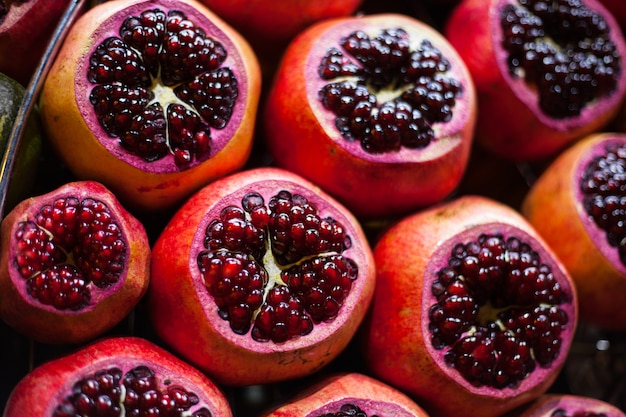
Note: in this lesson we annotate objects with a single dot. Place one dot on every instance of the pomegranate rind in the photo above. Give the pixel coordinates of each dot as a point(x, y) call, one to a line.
point(27, 26)
point(395, 336)
point(279, 21)
point(177, 294)
point(38, 393)
point(553, 205)
point(107, 307)
point(510, 123)
point(329, 393)
point(302, 137)
point(545, 405)
point(78, 138)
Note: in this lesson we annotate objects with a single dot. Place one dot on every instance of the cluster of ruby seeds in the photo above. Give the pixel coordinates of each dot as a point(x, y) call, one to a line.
point(508, 183)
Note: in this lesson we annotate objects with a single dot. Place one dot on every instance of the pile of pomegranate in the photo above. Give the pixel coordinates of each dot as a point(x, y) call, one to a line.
point(316, 209)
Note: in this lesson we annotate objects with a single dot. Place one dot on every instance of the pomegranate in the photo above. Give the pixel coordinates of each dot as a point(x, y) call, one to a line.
point(472, 313)
point(578, 205)
point(152, 98)
point(349, 394)
point(566, 405)
point(381, 101)
point(278, 21)
point(25, 29)
point(546, 72)
point(73, 264)
point(117, 376)
point(275, 275)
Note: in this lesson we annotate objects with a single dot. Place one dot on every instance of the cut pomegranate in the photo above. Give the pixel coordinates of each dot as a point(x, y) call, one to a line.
point(348, 394)
point(486, 315)
point(166, 92)
point(378, 100)
point(557, 66)
point(577, 204)
point(273, 271)
point(76, 263)
point(568, 405)
point(119, 376)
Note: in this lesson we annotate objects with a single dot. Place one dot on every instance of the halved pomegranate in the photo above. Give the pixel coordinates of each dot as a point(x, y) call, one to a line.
point(578, 205)
point(117, 376)
point(378, 110)
point(260, 277)
point(349, 394)
point(152, 98)
point(473, 314)
point(547, 73)
point(73, 263)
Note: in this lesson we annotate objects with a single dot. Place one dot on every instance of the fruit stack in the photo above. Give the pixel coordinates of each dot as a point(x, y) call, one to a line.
point(314, 208)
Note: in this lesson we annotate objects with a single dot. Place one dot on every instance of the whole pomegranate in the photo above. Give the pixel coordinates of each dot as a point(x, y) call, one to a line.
point(349, 394)
point(276, 21)
point(26, 26)
point(73, 263)
point(578, 205)
point(260, 277)
point(568, 405)
point(472, 314)
point(152, 98)
point(117, 376)
point(379, 101)
point(547, 73)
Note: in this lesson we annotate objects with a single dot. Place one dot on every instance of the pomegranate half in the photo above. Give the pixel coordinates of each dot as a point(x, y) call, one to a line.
point(117, 376)
point(546, 73)
point(472, 314)
point(377, 109)
point(578, 205)
point(260, 277)
point(73, 264)
point(153, 98)
point(349, 394)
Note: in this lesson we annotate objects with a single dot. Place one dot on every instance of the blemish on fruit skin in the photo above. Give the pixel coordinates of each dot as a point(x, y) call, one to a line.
point(160, 186)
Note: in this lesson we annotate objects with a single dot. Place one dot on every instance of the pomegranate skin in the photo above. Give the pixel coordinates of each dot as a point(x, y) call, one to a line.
point(530, 135)
point(184, 315)
point(107, 307)
point(75, 134)
point(330, 393)
point(545, 405)
point(278, 21)
point(26, 28)
point(45, 386)
point(554, 207)
point(396, 339)
point(617, 9)
point(302, 137)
